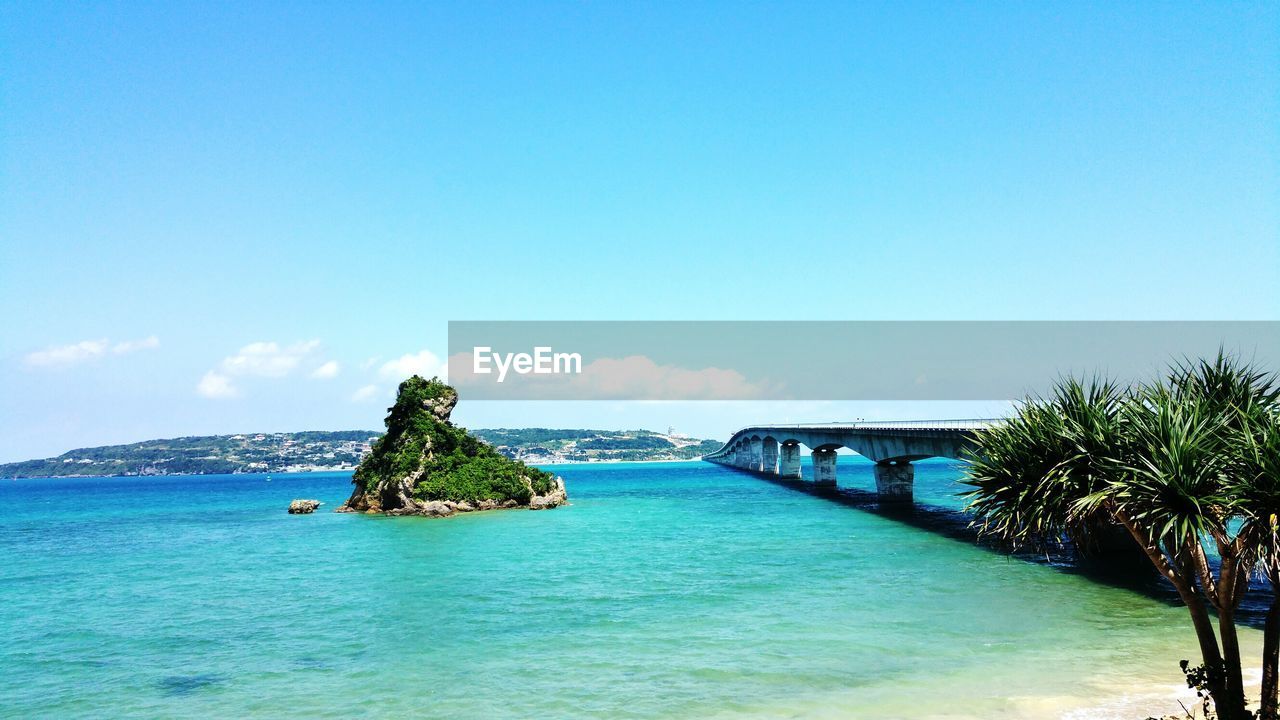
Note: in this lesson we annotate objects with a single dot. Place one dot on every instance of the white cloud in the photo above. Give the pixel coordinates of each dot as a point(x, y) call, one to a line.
point(268, 359)
point(423, 363)
point(67, 354)
point(326, 371)
point(217, 386)
point(85, 350)
point(127, 346)
point(262, 360)
point(365, 394)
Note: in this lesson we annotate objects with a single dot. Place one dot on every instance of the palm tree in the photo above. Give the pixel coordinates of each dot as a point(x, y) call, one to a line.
point(1179, 464)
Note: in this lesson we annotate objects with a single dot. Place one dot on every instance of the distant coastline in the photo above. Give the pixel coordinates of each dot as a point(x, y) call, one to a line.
point(622, 462)
point(341, 451)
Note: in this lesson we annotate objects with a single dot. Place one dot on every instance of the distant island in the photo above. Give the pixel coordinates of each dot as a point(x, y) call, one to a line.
point(316, 451)
point(426, 465)
point(544, 446)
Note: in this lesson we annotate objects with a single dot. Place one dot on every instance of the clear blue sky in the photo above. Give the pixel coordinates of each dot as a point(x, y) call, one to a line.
point(219, 174)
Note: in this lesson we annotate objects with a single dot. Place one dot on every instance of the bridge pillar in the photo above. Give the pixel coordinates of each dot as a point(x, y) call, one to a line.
point(769, 453)
point(738, 459)
point(895, 480)
point(789, 466)
point(824, 468)
point(756, 457)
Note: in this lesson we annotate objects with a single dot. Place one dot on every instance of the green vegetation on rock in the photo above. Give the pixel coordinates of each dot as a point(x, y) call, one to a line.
point(424, 457)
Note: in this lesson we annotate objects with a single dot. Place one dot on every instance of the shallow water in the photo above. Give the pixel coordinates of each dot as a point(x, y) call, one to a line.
point(665, 590)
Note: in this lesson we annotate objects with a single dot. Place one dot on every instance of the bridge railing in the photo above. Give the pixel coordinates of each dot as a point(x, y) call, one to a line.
point(955, 424)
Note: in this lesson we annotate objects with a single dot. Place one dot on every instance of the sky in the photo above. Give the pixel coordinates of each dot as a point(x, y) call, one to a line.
point(232, 217)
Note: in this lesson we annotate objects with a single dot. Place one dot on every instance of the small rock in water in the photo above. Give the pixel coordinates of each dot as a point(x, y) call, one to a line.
point(303, 507)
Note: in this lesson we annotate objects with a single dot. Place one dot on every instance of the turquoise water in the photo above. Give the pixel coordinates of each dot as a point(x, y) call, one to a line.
point(665, 590)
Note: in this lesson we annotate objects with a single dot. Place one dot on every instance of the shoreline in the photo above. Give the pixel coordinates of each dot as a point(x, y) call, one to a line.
point(612, 462)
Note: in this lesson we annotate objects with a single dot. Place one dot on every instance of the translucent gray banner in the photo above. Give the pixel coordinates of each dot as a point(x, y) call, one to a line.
point(854, 360)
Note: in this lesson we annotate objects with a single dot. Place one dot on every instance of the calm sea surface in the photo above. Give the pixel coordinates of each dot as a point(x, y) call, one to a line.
point(665, 590)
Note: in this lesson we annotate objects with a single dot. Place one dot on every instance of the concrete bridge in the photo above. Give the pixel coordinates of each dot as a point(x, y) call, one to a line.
point(775, 449)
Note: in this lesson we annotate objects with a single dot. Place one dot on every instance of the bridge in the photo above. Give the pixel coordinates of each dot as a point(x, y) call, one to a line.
point(775, 449)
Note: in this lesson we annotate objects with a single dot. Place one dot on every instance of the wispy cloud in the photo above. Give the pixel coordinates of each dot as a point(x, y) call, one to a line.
point(365, 394)
point(327, 370)
point(269, 359)
point(127, 346)
point(216, 386)
point(86, 350)
point(260, 360)
point(67, 354)
point(424, 363)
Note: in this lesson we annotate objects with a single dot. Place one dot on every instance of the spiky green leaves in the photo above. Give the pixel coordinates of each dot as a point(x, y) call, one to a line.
point(1182, 457)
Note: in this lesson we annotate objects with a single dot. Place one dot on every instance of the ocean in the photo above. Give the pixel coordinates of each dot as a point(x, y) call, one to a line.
point(676, 590)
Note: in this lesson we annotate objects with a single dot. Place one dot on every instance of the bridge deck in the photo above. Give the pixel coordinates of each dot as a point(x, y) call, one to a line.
point(893, 445)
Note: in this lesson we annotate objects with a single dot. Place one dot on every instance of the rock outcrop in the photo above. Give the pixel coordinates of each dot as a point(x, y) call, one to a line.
point(425, 465)
point(555, 498)
point(303, 507)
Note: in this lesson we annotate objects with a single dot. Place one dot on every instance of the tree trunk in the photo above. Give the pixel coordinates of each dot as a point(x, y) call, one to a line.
point(1226, 596)
point(1182, 576)
point(1271, 655)
point(1217, 684)
point(1231, 705)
